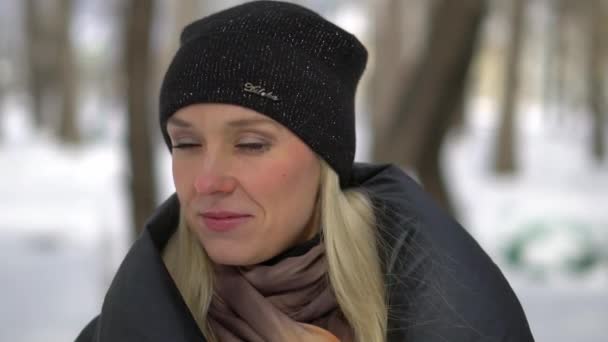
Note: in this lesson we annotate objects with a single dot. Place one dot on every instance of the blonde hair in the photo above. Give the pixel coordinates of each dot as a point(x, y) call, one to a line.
point(354, 270)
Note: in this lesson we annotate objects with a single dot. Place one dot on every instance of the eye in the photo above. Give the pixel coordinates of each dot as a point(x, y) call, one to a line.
point(185, 145)
point(255, 147)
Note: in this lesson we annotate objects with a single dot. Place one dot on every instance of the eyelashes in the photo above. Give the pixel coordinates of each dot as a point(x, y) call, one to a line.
point(185, 146)
point(253, 147)
point(257, 147)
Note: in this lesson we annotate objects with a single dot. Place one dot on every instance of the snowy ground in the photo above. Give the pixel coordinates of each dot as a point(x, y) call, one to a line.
point(63, 228)
point(558, 188)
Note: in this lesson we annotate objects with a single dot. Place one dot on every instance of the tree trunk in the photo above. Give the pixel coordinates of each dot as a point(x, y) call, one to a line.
point(459, 117)
point(561, 52)
point(551, 38)
point(400, 31)
point(35, 54)
point(505, 150)
point(387, 56)
point(425, 109)
point(139, 76)
point(68, 125)
point(595, 68)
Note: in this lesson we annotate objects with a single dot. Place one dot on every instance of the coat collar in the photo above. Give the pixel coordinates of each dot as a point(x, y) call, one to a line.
point(434, 272)
point(143, 303)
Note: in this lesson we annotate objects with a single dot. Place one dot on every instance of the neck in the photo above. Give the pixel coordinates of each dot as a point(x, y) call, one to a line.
point(297, 250)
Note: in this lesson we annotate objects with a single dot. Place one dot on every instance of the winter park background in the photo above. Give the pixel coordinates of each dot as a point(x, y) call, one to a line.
point(65, 219)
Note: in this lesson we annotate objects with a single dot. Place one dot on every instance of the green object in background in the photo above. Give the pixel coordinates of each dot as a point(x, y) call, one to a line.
point(580, 255)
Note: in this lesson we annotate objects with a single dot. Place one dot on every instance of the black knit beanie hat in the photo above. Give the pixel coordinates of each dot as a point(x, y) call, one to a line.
point(279, 59)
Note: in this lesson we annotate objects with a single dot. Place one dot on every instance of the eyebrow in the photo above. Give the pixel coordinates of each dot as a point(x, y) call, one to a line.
point(250, 122)
point(175, 121)
point(238, 123)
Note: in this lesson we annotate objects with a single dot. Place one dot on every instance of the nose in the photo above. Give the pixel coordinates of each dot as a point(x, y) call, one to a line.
point(214, 177)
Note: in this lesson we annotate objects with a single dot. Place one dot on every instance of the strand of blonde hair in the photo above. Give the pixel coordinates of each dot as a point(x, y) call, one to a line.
point(350, 237)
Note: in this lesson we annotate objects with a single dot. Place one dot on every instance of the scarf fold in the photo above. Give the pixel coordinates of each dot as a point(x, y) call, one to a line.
point(291, 300)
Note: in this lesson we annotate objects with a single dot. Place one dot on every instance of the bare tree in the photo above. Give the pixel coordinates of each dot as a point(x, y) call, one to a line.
point(68, 127)
point(139, 76)
point(400, 30)
point(38, 65)
point(51, 67)
point(505, 150)
point(554, 61)
point(387, 54)
point(177, 15)
point(595, 67)
point(427, 102)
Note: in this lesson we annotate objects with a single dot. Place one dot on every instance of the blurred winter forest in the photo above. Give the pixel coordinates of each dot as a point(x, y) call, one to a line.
point(497, 107)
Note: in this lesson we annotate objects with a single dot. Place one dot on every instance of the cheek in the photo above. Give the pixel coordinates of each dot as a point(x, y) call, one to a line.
point(182, 179)
point(287, 190)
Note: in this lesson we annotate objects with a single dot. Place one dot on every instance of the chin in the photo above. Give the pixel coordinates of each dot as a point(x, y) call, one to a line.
point(230, 253)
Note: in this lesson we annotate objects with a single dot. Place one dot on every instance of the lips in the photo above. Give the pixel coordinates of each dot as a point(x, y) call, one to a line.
point(223, 221)
point(223, 215)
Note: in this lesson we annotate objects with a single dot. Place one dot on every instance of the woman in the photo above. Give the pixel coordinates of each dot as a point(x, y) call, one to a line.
point(274, 234)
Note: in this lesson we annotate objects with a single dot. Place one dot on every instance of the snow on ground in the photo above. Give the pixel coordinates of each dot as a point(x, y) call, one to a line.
point(64, 225)
point(62, 233)
point(559, 193)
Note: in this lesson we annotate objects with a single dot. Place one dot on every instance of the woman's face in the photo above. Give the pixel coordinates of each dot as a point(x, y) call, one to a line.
point(246, 184)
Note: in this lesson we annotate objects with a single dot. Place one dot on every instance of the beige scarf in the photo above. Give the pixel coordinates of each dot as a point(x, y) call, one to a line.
point(288, 301)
